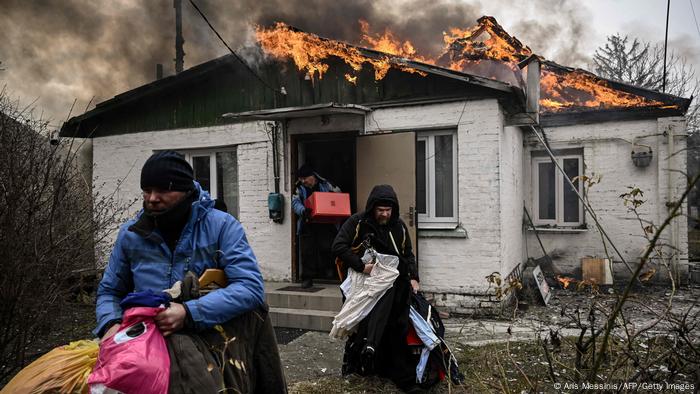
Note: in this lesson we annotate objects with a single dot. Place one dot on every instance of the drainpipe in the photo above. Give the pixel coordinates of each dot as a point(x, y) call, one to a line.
point(675, 260)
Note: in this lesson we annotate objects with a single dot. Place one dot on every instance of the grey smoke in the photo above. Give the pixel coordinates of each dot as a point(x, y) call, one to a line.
point(61, 50)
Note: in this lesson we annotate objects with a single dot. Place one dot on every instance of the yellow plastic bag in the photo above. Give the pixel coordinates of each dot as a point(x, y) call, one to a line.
point(64, 369)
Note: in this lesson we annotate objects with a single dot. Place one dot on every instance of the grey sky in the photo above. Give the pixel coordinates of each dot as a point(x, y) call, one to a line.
point(61, 50)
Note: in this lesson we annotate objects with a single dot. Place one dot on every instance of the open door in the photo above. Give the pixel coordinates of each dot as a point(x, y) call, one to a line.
point(389, 159)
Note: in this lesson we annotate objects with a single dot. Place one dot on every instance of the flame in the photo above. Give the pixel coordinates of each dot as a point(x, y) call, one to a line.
point(311, 52)
point(582, 89)
point(486, 50)
point(565, 281)
point(389, 43)
point(486, 40)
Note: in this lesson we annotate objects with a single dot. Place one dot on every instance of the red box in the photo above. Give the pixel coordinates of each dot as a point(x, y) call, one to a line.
point(328, 207)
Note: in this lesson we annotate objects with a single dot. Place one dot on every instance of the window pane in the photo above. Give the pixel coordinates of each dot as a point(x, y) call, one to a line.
point(200, 165)
point(227, 180)
point(571, 207)
point(421, 180)
point(443, 176)
point(547, 207)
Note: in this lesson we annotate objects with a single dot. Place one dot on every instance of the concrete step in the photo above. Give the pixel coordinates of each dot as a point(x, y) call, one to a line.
point(302, 318)
point(301, 309)
point(326, 299)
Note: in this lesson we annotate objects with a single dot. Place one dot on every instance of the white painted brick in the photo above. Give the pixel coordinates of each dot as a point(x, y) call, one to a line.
point(121, 157)
point(607, 150)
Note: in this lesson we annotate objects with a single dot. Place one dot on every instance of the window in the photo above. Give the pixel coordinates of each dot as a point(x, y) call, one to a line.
point(217, 172)
point(436, 179)
point(554, 201)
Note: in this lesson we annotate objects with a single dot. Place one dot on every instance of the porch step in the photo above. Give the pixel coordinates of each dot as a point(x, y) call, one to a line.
point(300, 309)
point(307, 319)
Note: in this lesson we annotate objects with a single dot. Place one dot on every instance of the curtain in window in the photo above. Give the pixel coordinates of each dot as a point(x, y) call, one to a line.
point(444, 192)
point(421, 179)
point(571, 207)
point(227, 180)
point(547, 191)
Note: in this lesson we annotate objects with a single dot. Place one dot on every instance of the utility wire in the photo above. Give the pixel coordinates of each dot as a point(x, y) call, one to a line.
point(694, 17)
point(264, 82)
point(575, 190)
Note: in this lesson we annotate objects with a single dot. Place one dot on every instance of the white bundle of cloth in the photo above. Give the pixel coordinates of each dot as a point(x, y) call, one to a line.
point(362, 291)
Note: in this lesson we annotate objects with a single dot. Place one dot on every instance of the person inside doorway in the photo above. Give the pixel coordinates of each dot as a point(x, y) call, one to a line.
point(315, 239)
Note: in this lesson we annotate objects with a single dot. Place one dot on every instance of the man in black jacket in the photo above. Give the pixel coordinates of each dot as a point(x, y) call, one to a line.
point(379, 344)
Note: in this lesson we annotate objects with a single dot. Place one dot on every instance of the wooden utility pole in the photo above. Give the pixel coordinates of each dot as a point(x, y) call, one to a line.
point(668, 11)
point(179, 41)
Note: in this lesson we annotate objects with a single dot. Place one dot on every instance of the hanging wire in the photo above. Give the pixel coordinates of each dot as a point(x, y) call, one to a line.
point(264, 82)
point(575, 190)
point(692, 8)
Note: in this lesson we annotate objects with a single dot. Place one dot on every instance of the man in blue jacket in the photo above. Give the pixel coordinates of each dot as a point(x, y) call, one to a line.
point(315, 239)
point(179, 232)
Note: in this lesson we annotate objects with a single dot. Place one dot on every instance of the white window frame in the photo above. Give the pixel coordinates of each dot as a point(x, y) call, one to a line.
point(213, 175)
point(558, 191)
point(428, 220)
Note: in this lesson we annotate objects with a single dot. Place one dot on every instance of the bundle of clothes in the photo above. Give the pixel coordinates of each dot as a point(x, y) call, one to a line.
point(423, 358)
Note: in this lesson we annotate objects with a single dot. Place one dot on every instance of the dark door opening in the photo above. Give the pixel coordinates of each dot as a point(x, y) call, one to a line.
point(333, 157)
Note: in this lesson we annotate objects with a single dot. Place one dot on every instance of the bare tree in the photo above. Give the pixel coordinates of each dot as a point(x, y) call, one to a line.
point(642, 64)
point(50, 228)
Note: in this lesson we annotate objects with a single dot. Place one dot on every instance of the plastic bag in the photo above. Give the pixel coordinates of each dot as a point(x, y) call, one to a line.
point(364, 291)
point(64, 369)
point(135, 359)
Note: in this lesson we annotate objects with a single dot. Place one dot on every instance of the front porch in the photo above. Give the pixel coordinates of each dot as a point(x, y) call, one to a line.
point(293, 307)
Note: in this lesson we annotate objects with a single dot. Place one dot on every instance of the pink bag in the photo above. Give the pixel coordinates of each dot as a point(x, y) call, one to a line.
point(135, 359)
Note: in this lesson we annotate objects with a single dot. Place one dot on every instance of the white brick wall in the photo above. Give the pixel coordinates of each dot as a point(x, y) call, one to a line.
point(457, 265)
point(512, 195)
point(120, 158)
point(493, 180)
point(606, 149)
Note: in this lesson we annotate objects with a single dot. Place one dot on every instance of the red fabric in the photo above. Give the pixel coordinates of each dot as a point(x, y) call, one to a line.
point(133, 363)
point(412, 338)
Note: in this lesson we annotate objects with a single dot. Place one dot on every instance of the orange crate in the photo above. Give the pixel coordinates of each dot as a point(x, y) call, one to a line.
point(328, 207)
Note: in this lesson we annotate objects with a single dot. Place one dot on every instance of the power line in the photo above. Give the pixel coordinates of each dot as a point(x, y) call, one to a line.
point(231, 50)
point(694, 17)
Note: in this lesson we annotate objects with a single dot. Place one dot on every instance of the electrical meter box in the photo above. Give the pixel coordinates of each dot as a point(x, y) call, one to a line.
point(275, 205)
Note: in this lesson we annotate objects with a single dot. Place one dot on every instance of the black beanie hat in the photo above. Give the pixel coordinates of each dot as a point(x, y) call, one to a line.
point(167, 170)
point(304, 171)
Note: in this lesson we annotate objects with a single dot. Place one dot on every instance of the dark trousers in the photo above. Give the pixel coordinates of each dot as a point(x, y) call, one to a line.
point(385, 329)
point(315, 244)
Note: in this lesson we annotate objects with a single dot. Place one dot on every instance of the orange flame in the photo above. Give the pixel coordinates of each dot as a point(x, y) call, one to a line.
point(565, 281)
point(486, 40)
point(389, 43)
point(485, 49)
point(311, 52)
point(581, 89)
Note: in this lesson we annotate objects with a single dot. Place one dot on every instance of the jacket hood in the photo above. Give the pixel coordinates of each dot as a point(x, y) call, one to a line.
point(383, 194)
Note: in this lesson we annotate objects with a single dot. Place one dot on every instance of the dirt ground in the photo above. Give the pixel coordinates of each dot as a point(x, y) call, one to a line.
point(312, 358)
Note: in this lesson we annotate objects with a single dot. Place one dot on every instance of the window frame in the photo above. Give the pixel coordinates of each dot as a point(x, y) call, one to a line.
point(559, 182)
point(213, 173)
point(428, 220)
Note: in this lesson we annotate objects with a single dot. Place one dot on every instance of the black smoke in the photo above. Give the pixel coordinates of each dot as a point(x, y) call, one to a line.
point(58, 51)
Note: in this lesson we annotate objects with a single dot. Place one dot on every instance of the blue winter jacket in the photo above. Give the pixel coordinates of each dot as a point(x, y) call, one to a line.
point(302, 193)
point(210, 239)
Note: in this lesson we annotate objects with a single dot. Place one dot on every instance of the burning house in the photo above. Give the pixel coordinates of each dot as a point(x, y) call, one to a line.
point(461, 137)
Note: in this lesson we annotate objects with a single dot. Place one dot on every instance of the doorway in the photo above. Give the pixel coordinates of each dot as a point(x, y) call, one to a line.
point(332, 156)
